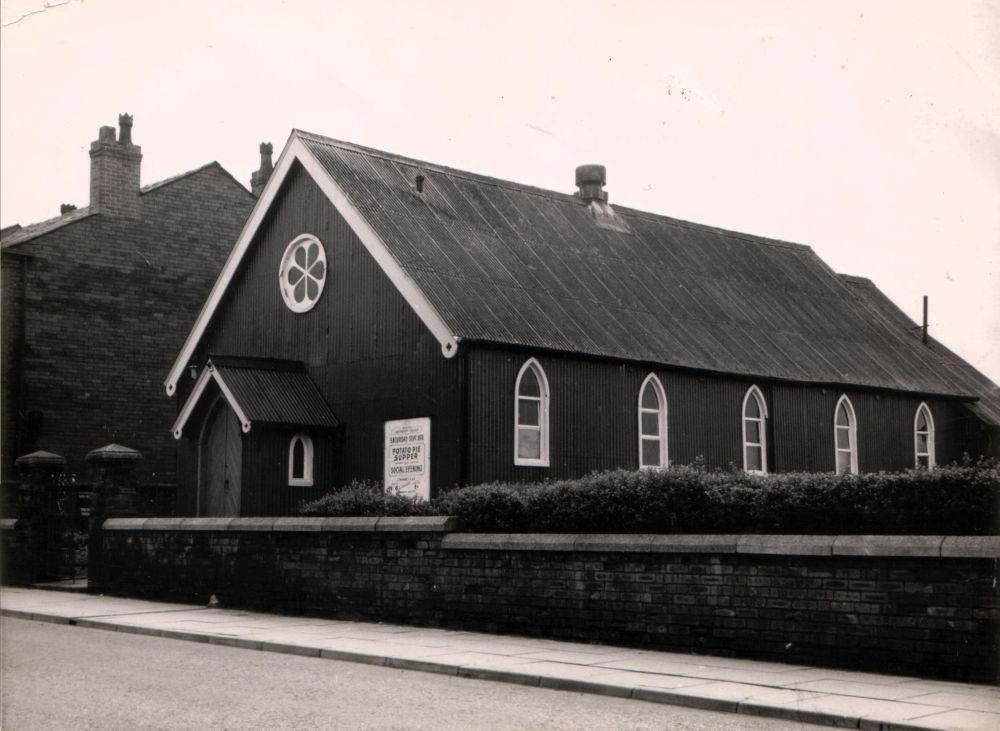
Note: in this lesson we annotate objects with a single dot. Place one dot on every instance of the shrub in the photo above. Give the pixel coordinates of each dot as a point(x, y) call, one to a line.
point(364, 499)
point(960, 500)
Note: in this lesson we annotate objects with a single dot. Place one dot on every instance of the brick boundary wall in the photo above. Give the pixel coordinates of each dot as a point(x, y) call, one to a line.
point(15, 552)
point(914, 605)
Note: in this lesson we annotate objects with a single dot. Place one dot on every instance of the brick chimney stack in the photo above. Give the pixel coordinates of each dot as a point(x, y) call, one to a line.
point(260, 177)
point(114, 171)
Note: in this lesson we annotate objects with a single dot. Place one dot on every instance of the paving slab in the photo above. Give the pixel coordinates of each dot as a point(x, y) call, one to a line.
point(956, 720)
point(742, 675)
point(483, 660)
point(896, 692)
point(656, 665)
point(576, 658)
point(770, 689)
point(970, 701)
point(852, 710)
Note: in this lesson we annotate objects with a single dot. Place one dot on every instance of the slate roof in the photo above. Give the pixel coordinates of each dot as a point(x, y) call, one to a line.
point(274, 391)
point(20, 234)
point(13, 235)
point(180, 176)
point(508, 263)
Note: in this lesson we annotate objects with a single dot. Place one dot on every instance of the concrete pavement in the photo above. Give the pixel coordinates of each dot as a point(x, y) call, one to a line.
point(774, 690)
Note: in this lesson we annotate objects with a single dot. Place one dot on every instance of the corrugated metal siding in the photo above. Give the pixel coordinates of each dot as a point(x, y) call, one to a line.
point(507, 263)
point(593, 420)
point(365, 349)
point(265, 471)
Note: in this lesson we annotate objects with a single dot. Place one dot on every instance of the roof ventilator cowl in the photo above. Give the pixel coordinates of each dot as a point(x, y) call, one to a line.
point(590, 180)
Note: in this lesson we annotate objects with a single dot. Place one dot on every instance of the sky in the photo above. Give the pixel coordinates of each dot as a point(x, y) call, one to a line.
point(868, 130)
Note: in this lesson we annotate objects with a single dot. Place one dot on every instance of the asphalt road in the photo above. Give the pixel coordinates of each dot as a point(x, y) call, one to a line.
point(61, 677)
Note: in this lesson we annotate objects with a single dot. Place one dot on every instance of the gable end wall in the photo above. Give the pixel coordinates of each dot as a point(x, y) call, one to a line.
point(365, 348)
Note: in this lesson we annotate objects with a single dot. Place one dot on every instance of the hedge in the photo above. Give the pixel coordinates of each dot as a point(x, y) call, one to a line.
point(956, 500)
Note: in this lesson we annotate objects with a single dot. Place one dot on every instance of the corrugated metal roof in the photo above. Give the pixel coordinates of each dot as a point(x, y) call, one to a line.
point(964, 375)
point(509, 263)
point(274, 391)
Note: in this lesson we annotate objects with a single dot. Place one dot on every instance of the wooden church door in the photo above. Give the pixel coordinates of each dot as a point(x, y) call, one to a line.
point(221, 463)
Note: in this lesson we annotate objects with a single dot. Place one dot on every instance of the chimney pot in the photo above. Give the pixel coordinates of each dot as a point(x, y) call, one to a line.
point(66, 208)
point(125, 125)
point(106, 134)
point(590, 180)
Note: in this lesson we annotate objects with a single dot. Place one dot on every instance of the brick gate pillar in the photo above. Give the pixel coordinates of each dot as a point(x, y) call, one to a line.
point(115, 493)
point(115, 496)
point(37, 511)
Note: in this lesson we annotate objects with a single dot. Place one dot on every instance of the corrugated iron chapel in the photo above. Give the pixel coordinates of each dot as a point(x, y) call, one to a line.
point(383, 318)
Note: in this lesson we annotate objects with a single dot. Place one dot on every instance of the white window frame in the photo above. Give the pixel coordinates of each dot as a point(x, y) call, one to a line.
point(288, 260)
point(543, 415)
point(307, 461)
point(852, 435)
point(930, 453)
point(755, 393)
point(661, 417)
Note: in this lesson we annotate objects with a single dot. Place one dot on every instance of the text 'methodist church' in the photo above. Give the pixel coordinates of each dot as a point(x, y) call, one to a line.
point(383, 318)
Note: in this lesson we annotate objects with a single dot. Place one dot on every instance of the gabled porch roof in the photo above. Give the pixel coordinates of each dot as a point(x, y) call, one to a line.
point(261, 390)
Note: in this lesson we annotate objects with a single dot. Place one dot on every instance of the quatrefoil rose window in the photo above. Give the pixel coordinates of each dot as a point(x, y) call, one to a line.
point(303, 273)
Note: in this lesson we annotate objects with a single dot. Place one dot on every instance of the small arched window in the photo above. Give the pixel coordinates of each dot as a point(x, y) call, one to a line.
point(845, 427)
point(923, 438)
point(300, 461)
point(754, 431)
point(531, 416)
point(652, 424)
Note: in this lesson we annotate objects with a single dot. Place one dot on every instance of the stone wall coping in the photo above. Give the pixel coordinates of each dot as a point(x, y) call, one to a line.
point(438, 523)
point(160, 523)
point(888, 545)
point(8, 523)
point(421, 524)
point(358, 524)
point(201, 524)
point(124, 523)
point(757, 544)
point(970, 547)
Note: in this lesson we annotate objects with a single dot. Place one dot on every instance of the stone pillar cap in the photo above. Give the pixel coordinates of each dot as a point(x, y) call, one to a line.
point(41, 457)
point(114, 453)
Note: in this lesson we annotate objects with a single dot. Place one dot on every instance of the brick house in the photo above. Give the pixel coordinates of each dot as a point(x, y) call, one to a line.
point(97, 301)
point(383, 317)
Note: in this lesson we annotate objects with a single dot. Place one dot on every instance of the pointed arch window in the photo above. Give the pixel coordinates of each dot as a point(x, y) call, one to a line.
point(754, 431)
point(531, 416)
point(300, 461)
point(923, 438)
point(652, 424)
point(845, 428)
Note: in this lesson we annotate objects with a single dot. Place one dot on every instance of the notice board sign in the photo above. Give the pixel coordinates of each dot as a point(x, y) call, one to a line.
point(408, 457)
